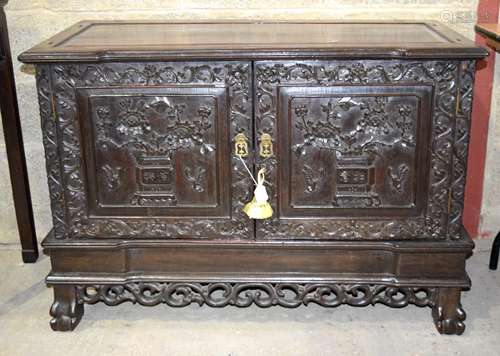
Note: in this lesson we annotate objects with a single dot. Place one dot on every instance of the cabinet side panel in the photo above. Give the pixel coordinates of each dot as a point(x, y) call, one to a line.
point(50, 141)
point(460, 147)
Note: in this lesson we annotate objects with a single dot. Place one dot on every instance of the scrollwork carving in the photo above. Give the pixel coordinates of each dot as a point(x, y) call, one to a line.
point(52, 155)
point(291, 295)
point(460, 147)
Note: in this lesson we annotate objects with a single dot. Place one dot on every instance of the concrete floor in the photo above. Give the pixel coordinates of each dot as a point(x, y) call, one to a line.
point(134, 330)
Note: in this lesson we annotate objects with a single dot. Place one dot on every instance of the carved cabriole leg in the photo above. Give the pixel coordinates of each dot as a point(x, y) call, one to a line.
point(447, 311)
point(66, 311)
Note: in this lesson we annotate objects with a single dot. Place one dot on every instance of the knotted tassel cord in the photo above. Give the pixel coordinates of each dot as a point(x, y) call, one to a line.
point(248, 170)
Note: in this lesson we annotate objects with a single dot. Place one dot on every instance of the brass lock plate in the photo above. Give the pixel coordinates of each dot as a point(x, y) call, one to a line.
point(241, 145)
point(266, 146)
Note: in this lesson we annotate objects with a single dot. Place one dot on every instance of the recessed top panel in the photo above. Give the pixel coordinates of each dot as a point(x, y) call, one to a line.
point(241, 35)
point(143, 40)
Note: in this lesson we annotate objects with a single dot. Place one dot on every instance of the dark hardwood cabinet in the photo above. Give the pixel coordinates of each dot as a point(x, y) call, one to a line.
point(362, 129)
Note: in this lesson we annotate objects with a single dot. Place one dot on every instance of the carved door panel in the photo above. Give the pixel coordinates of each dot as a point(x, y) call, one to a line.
point(352, 150)
point(356, 148)
point(156, 152)
point(145, 150)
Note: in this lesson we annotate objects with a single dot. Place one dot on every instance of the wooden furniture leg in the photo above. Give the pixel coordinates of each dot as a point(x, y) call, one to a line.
point(495, 249)
point(14, 147)
point(447, 312)
point(66, 311)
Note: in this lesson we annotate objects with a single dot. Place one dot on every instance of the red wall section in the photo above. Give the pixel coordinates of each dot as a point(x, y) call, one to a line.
point(483, 87)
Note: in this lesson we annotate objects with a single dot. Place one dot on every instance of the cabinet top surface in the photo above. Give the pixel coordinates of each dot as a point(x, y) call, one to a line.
point(101, 41)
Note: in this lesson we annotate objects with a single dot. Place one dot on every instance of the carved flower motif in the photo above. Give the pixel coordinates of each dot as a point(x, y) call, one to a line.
point(171, 140)
point(204, 112)
point(301, 111)
point(237, 75)
point(151, 75)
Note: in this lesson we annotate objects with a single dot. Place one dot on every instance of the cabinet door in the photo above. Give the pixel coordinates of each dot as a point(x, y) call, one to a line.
point(359, 148)
point(144, 149)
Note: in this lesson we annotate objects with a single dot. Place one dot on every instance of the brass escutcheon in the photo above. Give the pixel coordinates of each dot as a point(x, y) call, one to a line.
point(241, 145)
point(266, 146)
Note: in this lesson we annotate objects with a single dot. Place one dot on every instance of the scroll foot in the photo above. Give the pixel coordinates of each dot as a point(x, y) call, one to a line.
point(447, 312)
point(66, 311)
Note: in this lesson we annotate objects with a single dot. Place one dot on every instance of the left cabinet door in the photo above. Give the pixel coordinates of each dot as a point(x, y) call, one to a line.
point(143, 150)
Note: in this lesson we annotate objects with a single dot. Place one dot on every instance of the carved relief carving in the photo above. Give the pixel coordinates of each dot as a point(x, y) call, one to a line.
point(449, 325)
point(153, 129)
point(373, 129)
point(196, 176)
point(449, 139)
point(313, 179)
point(112, 176)
point(136, 133)
point(445, 125)
point(376, 127)
point(398, 176)
point(156, 182)
point(289, 295)
point(354, 182)
point(57, 84)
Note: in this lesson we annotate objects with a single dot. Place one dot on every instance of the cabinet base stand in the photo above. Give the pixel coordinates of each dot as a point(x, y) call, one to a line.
point(179, 273)
point(69, 300)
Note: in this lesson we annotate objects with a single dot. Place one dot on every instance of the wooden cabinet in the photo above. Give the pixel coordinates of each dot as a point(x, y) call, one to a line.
point(362, 129)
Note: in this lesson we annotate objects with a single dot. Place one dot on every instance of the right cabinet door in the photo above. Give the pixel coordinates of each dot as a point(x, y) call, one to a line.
point(363, 150)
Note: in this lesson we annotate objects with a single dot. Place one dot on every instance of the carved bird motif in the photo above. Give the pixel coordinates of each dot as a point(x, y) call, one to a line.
point(312, 178)
point(196, 177)
point(112, 175)
point(398, 177)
